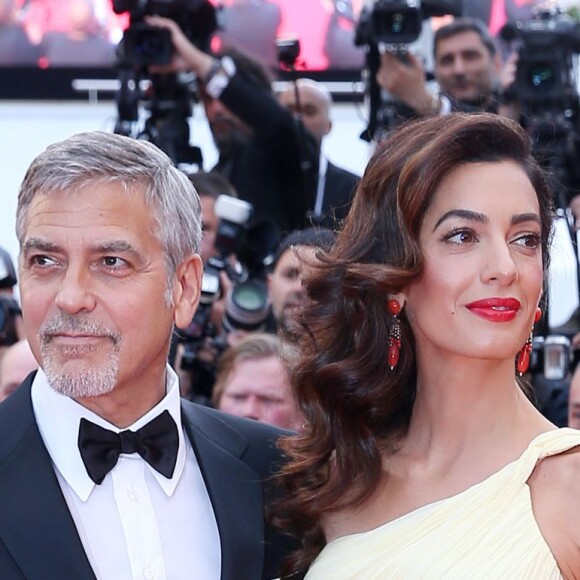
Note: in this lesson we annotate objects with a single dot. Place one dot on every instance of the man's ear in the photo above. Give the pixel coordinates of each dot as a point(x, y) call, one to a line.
point(187, 290)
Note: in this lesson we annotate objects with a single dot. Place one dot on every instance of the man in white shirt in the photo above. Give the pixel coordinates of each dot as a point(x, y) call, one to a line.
point(104, 472)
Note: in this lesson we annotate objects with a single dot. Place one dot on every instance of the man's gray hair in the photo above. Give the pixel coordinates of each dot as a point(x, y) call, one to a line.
point(97, 158)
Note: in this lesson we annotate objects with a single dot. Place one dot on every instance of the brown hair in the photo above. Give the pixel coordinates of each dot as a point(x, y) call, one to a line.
point(461, 25)
point(256, 345)
point(355, 410)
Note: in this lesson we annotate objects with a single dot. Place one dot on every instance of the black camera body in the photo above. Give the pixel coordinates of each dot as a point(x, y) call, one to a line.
point(9, 311)
point(400, 22)
point(247, 304)
point(548, 42)
point(143, 45)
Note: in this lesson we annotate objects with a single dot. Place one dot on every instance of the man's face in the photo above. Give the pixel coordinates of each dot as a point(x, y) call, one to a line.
point(259, 389)
point(17, 362)
point(464, 67)
point(210, 222)
point(574, 401)
point(227, 129)
point(285, 284)
point(314, 107)
point(95, 294)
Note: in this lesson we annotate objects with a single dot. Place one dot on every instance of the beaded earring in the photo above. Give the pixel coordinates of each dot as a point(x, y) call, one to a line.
point(394, 308)
point(523, 361)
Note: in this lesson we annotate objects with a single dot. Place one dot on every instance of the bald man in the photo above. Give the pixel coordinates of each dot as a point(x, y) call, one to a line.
point(16, 364)
point(336, 186)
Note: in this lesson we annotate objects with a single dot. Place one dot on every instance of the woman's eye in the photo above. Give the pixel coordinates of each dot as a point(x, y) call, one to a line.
point(460, 237)
point(529, 240)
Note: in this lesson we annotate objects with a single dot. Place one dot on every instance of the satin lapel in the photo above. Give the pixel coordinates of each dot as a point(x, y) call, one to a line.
point(35, 524)
point(235, 491)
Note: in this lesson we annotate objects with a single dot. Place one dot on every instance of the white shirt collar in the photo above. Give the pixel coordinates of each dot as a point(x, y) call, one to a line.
point(58, 419)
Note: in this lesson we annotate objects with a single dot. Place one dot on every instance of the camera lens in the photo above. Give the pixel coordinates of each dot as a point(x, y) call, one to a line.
point(247, 306)
point(541, 77)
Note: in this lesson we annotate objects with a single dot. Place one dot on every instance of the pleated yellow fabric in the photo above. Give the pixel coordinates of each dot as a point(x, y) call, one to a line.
point(487, 532)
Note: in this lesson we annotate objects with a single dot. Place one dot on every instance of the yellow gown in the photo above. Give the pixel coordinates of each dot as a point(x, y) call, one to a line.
point(487, 532)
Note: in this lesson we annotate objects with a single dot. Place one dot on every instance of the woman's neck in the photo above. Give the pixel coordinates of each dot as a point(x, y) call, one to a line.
point(464, 404)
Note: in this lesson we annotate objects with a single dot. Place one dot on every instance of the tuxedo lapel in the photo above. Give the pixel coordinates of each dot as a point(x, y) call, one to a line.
point(235, 491)
point(35, 524)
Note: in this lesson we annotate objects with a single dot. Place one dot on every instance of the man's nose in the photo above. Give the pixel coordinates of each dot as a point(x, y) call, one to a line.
point(458, 66)
point(252, 409)
point(75, 293)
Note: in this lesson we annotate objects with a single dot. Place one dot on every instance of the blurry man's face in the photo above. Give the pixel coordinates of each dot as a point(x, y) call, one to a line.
point(314, 108)
point(285, 284)
point(15, 365)
point(210, 222)
point(227, 129)
point(259, 389)
point(574, 401)
point(464, 67)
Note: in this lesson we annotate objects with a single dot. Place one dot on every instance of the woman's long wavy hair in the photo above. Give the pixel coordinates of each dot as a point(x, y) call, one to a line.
point(355, 407)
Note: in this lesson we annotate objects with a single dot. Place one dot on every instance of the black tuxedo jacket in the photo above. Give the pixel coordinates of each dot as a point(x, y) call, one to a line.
point(38, 537)
point(339, 188)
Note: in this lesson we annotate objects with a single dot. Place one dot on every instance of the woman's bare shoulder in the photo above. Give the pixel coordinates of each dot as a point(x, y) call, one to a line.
point(555, 489)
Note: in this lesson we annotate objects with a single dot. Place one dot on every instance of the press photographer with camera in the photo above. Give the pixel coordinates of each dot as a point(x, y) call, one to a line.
point(11, 326)
point(467, 68)
point(261, 151)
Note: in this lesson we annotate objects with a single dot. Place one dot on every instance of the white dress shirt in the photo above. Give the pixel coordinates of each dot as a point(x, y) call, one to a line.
point(137, 524)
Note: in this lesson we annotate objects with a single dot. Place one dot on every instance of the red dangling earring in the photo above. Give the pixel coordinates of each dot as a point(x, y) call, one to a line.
point(526, 352)
point(394, 308)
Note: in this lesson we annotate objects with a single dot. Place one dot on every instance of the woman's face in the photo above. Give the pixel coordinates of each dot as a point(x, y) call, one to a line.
point(482, 274)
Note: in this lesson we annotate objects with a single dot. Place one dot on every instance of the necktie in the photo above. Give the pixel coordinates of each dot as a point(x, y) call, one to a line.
point(157, 443)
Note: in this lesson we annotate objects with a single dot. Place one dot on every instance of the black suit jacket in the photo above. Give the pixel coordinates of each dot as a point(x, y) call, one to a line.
point(277, 168)
point(339, 188)
point(38, 537)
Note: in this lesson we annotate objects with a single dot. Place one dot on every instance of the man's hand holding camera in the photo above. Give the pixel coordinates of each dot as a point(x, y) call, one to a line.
point(405, 80)
point(187, 56)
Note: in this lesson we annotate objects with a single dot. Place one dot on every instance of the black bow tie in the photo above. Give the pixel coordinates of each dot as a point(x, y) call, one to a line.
point(157, 443)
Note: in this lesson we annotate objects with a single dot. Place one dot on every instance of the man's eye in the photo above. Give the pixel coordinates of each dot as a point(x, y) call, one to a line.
point(114, 262)
point(42, 261)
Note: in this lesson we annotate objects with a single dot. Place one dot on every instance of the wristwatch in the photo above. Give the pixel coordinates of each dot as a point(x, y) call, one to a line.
point(219, 75)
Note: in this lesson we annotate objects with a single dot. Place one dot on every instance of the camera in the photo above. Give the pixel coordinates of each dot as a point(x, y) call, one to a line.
point(168, 97)
point(245, 248)
point(143, 45)
point(287, 51)
point(548, 42)
point(545, 89)
point(392, 25)
point(9, 311)
point(399, 21)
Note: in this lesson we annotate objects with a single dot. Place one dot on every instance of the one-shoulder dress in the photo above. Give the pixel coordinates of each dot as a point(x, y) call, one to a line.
point(487, 532)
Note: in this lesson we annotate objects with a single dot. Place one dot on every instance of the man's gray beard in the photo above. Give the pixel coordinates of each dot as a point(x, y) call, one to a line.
point(90, 383)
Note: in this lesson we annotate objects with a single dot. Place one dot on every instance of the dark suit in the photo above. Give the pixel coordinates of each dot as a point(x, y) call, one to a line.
point(38, 537)
point(266, 171)
point(339, 188)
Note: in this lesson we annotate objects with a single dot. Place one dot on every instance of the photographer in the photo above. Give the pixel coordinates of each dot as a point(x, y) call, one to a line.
point(296, 251)
point(11, 327)
point(468, 70)
point(264, 152)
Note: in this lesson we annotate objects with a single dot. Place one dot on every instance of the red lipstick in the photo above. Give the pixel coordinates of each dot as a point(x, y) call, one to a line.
point(495, 309)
